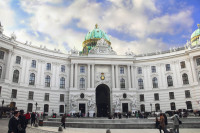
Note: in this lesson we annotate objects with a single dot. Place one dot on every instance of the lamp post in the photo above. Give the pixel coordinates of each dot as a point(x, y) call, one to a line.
point(151, 107)
point(65, 108)
point(2, 108)
point(36, 104)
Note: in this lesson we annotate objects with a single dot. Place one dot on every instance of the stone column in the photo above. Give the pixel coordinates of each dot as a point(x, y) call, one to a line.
point(92, 75)
point(71, 76)
point(113, 77)
point(76, 76)
point(129, 76)
point(194, 74)
point(88, 75)
point(116, 73)
point(133, 77)
point(8, 66)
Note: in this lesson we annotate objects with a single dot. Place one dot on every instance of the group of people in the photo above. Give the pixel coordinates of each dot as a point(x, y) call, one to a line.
point(162, 122)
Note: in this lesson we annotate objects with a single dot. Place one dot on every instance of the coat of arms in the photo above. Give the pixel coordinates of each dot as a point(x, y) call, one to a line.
point(102, 76)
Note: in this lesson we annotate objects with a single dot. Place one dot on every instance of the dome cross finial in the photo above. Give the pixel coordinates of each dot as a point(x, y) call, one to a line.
point(96, 26)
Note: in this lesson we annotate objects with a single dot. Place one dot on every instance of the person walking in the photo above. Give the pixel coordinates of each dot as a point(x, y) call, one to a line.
point(28, 117)
point(33, 118)
point(175, 119)
point(63, 120)
point(22, 122)
point(158, 124)
point(13, 123)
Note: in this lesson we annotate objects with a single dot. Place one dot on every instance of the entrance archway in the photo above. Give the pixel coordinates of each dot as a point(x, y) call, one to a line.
point(103, 100)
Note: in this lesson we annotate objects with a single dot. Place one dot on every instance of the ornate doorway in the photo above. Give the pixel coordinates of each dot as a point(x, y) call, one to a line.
point(103, 100)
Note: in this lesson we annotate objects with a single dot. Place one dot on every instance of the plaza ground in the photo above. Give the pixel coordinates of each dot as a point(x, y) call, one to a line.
point(4, 129)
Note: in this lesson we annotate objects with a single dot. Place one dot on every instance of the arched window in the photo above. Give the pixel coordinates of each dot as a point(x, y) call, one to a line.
point(61, 109)
point(142, 108)
point(169, 81)
point(82, 83)
point(30, 107)
point(16, 76)
point(155, 82)
point(46, 108)
point(140, 84)
point(185, 79)
point(122, 83)
point(157, 107)
point(173, 106)
point(47, 81)
point(62, 82)
point(189, 104)
point(0, 71)
point(32, 79)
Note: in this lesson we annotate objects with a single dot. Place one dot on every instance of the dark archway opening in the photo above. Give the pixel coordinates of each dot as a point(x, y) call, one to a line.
point(103, 100)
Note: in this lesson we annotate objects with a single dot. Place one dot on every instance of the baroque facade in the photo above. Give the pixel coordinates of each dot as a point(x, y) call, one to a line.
point(97, 80)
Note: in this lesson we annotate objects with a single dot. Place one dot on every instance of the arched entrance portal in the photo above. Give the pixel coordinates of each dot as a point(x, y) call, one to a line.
point(103, 100)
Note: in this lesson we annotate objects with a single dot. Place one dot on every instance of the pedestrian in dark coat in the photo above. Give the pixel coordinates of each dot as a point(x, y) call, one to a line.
point(13, 123)
point(63, 120)
point(33, 118)
point(22, 122)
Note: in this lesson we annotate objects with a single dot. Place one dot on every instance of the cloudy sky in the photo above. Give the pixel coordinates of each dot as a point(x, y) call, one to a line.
point(139, 25)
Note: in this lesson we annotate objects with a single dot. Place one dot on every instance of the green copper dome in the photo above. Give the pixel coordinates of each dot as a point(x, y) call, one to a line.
point(195, 36)
point(96, 33)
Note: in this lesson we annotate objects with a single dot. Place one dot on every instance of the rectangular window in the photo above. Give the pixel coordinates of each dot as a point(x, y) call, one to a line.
point(82, 69)
point(156, 96)
point(198, 61)
point(139, 70)
point(33, 64)
point(141, 97)
point(48, 66)
point(1, 55)
point(153, 69)
point(62, 68)
point(121, 70)
point(167, 67)
point(182, 64)
point(171, 95)
point(46, 97)
point(18, 59)
point(14, 93)
point(187, 94)
point(61, 97)
point(30, 95)
point(0, 90)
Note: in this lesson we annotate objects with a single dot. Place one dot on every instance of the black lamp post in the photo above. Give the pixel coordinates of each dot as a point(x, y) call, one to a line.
point(2, 106)
point(151, 107)
point(65, 108)
point(36, 104)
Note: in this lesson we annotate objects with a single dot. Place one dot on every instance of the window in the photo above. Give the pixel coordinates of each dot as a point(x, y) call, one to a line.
point(62, 68)
point(18, 60)
point(82, 69)
point(46, 108)
point(140, 84)
point(198, 61)
point(139, 70)
point(61, 109)
point(173, 106)
point(185, 79)
point(121, 70)
point(187, 94)
point(32, 79)
point(62, 97)
point(157, 107)
point(122, 83)
point(199, 75)
point(169, 81)
point(153, 69)
point(14, 93)
point(142, 98)
point(16, 76)
point(62, 82)
point(155, 82)
point(48, 66)
point(156, 96)
point(0, 71)
point(30, 107)
point(46, 97)
point(1, 55)
point(142, 108)
point(171, 95)
point(47, 81)
point(0, 90)
point(33, 64)
point(189, 104)
point(82, 83)
point(182, 64)
point(30, 95)
point(168, 68)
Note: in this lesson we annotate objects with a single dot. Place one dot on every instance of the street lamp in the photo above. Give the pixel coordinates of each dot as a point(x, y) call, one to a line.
point(151, 107)
point(65, 108)
point(2, 107)
point(36, 104)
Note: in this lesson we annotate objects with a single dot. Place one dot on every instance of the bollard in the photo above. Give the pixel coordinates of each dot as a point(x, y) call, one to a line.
point(60, 128)
point(108, 131)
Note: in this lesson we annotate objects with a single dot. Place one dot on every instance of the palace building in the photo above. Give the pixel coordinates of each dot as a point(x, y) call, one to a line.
point(97, 80)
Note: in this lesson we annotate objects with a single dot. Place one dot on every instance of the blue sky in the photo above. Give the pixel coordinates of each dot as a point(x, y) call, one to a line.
point(132, 24)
